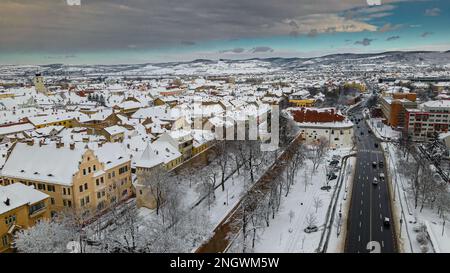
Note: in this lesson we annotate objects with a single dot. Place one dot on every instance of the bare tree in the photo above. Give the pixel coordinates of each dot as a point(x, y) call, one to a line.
point(311, 219)
point(317, 202)
point(207, 185)
point(317, 152)
point(156, 183)
point(222, 161)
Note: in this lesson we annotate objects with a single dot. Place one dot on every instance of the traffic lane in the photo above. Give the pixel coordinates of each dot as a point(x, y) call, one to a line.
point(381, 208)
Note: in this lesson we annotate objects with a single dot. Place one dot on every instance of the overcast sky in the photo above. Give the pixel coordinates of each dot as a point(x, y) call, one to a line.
point(137, 31)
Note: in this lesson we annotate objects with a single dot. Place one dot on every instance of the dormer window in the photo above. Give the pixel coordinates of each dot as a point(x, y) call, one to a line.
point(51, 175)
point(36, 173)
point(22, 171)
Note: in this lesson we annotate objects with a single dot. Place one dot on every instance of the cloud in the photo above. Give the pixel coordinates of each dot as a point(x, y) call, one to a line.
point(392, 38)
point(236, 50)
point(426, 34)
point(364, 42)
point(389, 27)
point(433, 12)
point(261, 49)
point(188, 43)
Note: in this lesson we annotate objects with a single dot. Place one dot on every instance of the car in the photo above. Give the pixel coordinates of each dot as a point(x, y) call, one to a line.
point(375, 181)
point(362, 133)
point(374, 164)
point(334, 162)
point(369, 131)
point(331, 176)
point(381, 164)
point(386, 222)
point(376, 145)
point(325, 188)
point(310, 229)
point(381, 176)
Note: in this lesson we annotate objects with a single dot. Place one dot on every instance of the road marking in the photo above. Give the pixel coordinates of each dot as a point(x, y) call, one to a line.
point(360, 224)
point(361, 201)
point(380, 205)
point(362, 193)
point(359, 238)
point(360, 212)
point(381, 217)
point(381, 228)
point(382, 243)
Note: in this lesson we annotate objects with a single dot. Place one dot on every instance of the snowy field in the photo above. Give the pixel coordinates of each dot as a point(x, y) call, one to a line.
point(438, 234)
point(286, 232)
point(381, 130)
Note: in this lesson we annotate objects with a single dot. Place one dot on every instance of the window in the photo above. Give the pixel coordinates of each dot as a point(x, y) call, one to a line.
point(82, 202)
point(99, 195)
point(52, 200)
point(109, 175)
point(37, 207)
point(81, 188)
point(87, 199)
point(10, 220)
point(101, 180)
point(85, 186)
point(113, 174)
point(64, 191)
point(84, 171)
point(41, 187)
point(5, 241)
point(89, 169)
point(97, 182)
point(95, 168)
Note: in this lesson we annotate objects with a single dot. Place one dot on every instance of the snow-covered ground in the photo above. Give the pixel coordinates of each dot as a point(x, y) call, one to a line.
point(286, 232)
point(404, 205)
point(381, 130)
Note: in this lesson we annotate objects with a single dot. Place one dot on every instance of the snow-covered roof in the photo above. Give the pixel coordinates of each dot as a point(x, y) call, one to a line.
point(18, 195)
point(115, 129)
point(149, 158)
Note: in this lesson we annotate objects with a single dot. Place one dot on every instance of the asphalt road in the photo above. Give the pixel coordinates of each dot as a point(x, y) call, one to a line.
point(370, 203)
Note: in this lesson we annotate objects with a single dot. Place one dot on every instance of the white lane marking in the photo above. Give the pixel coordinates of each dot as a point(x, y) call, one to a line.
point(380, 205)
point(381, 217)
point(381, 228)
point(360, 224)
point(360, 212)
point(359, 238)
point(382, 243)
point(361, 201)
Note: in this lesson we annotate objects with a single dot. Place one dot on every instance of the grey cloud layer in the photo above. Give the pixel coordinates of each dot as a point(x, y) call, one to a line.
point(134, 24)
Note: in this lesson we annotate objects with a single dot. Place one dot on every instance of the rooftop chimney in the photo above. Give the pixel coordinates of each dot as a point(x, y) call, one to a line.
point(72, 146)
point(7, 202)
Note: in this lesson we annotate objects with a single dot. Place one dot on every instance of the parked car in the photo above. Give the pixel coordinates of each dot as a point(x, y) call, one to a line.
point(381, 164)
point(362, 133)
point(374, 164)
point(381, 176)
point(386, 222)
point(376, 145)
point(310, 229)
point(375, 181)
point(334, 162)
point(325, 188)
point(331, 176)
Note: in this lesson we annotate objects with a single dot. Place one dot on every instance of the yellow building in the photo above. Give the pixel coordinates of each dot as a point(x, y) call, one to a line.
point(20, 208)
point(75, 176)
point(303, 103)
point(66, 119)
